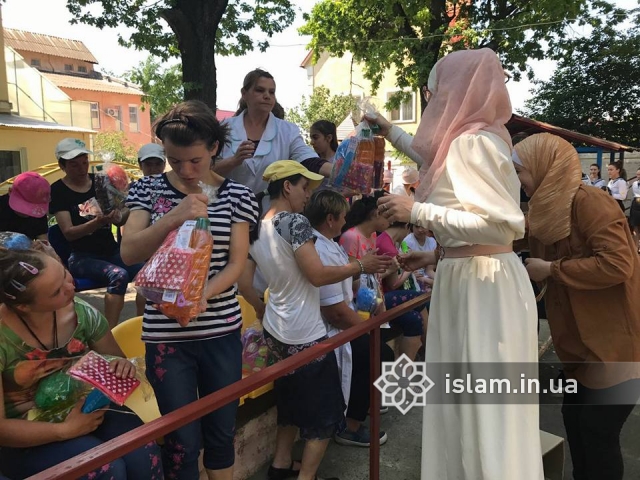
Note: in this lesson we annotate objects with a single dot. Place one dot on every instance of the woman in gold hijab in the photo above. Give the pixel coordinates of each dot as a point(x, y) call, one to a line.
point(581, 246)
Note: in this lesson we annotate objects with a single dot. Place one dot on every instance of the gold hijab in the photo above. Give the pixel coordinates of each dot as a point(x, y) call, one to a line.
point(555, 167)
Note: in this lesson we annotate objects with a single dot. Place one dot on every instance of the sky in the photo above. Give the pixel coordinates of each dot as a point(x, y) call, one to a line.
point(282, 59)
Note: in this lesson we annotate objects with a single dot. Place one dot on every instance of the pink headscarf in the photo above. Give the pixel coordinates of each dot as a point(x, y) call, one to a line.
point(468, 95)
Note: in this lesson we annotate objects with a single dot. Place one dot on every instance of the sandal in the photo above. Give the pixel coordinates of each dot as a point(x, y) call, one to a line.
point(282, 473)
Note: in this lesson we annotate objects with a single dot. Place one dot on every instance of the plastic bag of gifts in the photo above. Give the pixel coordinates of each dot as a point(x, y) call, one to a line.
point(111, 185)
point(255, 352)
point(369, 296)
point(353, 168)
point(174, 278)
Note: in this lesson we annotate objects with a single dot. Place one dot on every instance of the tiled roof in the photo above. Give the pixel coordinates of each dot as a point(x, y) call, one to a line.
point(222, 114)
point(94, 84)
point(47, 45)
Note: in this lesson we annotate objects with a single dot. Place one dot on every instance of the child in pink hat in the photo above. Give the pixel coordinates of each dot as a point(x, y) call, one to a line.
point(24, 209)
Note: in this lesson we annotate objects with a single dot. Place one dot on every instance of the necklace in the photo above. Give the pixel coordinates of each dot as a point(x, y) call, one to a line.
point(55, 331)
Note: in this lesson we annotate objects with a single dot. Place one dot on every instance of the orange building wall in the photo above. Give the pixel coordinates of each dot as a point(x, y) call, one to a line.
point(109, 124)
point(51, 63)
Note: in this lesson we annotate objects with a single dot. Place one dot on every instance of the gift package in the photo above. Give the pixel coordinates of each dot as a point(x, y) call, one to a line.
point(174, 278)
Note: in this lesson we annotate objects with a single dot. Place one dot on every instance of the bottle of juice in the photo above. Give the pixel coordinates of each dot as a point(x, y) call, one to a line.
point(365, 151)
point(378, 161)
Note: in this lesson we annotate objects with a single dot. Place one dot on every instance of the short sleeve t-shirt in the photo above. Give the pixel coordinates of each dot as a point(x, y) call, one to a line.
point(292, 313)
point(63, 199)
point(332, 254)
point(23, 367)
point(10, 221)
point(356, 244)
point(429, 245)
point(234, 203)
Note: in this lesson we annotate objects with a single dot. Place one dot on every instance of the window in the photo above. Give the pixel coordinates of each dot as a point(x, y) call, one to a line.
point(117, 114)
point(133, 118)
point(35, 62)
point(95, 115)
point(406, 111)
point(9, 164)
point(68, 67)
point(82, 69)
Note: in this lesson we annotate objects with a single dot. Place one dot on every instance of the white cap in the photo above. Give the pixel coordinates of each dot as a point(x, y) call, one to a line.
point(70, 148)
point(150, 150)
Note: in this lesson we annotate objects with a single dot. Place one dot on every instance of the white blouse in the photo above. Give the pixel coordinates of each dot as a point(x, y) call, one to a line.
point(618, 188)
point(477, 198)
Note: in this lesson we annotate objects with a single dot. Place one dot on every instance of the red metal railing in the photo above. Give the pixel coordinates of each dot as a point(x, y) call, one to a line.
point(116, 448)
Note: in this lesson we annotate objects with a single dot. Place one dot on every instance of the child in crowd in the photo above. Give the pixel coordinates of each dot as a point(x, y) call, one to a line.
point(185, 363)
point(43, 329)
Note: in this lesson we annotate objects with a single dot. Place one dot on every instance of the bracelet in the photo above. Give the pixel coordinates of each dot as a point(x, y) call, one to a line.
point(361, 266)
point(440, 253)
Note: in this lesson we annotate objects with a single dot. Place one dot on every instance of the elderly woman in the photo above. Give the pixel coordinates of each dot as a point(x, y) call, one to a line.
point(582, 248)
point(481, 307)
point(283, 246)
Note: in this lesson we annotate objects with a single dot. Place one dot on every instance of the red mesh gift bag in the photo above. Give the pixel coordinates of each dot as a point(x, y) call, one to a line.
point(175, 276)
point(94, 370)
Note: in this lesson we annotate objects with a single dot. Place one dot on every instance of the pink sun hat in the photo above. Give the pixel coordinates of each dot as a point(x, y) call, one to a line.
point(30, 195)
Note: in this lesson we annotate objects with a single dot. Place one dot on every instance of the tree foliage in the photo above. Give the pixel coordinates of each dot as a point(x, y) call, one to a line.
point(596, 90)
point(162, 86)
point(116, 143)
point(190, 29)
point(411, 35)
point(321, 105)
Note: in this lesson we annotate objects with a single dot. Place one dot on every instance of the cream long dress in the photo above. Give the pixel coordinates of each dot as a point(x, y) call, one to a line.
point(482, 310)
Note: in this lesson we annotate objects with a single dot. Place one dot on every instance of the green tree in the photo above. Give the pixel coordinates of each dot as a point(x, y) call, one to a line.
point(411, 35)
point(596, 90)
point(116, 143)
point(321, 105)
point(196, 30)
point(162, 86)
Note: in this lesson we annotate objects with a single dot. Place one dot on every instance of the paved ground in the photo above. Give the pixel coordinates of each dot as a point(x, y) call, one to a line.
point(400, 457)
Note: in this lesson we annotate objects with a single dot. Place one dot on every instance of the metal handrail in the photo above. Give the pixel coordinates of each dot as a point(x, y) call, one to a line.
point(113, 449)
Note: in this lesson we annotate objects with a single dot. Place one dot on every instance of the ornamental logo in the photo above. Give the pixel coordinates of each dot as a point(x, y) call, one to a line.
point(404, 384)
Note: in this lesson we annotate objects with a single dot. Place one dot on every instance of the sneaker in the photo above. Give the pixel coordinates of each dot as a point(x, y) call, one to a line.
point(361, 438)
point(384, 410)
point(282, 473)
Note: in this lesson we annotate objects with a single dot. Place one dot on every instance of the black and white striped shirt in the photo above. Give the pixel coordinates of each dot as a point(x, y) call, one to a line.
point(235, 203)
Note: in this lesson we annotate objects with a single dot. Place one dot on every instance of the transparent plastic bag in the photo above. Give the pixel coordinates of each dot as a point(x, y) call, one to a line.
point(255, 352)
point(111, 185)
point(174, 278)
point(353, 168)
point(369, 295)
point(56, 396)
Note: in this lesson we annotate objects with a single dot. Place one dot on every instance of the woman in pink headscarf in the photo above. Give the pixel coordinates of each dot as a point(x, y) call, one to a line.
point(483, 307)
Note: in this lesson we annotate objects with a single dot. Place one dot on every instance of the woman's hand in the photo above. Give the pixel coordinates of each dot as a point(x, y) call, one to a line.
point(373, 263)
point(191, 207)
point(538, 269)
point(380, 121)
point(244, 152)
point(122, 368)
point(77, 423)
point(396, 208)
point(413, 261)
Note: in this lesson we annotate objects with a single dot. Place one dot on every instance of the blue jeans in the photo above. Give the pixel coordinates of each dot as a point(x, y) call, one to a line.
point(143, 463)
point(109, 270)
point(409, 322)
point(180, 373)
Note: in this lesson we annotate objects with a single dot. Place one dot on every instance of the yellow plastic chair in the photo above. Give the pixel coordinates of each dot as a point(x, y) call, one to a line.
point(128, 334)
point(248, 318)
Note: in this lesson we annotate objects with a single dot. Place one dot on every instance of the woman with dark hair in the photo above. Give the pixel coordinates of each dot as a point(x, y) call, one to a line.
point(360, 237)
point(309, 399)
point(324, 139)
point(44, 329)
point(581, 247)
point(184, 363)
point(595, 177)
point(617, 186)
point(258, 138)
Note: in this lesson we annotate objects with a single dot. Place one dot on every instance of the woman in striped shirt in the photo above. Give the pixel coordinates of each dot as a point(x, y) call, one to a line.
point(184, 363)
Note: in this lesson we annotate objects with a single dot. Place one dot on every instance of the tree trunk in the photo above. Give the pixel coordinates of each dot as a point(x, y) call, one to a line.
point(195, 23)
